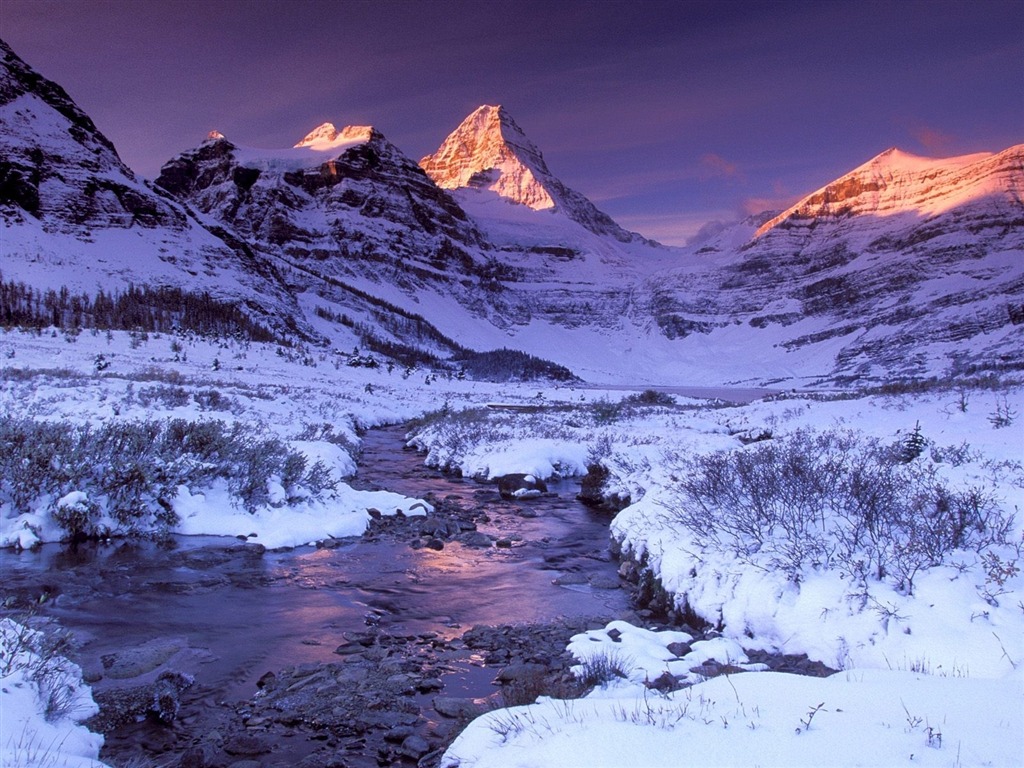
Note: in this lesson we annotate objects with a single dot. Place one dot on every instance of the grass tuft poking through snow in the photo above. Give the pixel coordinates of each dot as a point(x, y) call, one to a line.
point(43, 700)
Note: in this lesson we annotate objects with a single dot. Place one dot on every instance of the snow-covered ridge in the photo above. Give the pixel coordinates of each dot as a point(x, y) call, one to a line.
point(317, 147)
point(897, 182)
point(326, 137)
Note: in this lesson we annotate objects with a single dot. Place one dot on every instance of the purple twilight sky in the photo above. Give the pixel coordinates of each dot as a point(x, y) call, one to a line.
point(667, 115)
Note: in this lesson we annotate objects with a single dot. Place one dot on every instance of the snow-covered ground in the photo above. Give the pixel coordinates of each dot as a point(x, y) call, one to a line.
point(941, 655)
point(931, 674)
point(42, 702)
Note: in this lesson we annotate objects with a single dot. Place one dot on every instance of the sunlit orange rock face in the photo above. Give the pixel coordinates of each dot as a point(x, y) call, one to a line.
point(489, 150)
point(896, 182)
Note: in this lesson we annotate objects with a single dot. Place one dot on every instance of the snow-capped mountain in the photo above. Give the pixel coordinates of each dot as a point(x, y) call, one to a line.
point(331, 190)
point(72, 214)
point(896, 183)
point(488, 151)
point(351, 219)
point(906, 266)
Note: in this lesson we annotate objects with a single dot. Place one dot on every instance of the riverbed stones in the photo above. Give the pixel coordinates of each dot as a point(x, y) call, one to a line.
point(137, 661)
point(458, 707)
point(414, 746)
point(679, 649)
point(475, 539)
point(160, 699)
point(520, 671)
point(247, 744)
point(605, 581)
point(203, 755)
point(520, 486)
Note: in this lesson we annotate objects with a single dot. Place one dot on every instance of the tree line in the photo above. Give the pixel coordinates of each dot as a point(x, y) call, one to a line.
point(138, 308)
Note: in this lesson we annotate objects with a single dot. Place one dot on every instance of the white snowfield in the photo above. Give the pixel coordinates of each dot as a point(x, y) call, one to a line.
point(928, 678)
point(854, 718)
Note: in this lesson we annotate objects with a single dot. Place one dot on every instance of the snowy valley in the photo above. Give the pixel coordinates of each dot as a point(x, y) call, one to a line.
point(804, 432)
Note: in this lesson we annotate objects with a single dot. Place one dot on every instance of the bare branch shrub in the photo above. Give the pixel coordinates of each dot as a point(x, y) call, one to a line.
point(131, 470)
point(832, 499)
point(602, 668)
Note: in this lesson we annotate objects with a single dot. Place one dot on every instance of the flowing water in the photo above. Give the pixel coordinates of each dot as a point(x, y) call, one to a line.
point(227, 613)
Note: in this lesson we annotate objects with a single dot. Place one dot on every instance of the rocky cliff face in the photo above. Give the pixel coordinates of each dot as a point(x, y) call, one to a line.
point(489, 151)
point(72, 214)
point(57, 168)
point(348, 200)
point(350, 218)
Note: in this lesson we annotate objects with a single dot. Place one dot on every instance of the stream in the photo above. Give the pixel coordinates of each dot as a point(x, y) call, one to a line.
point(241, 620)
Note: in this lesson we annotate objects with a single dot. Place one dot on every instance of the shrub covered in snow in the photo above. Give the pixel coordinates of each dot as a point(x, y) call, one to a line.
point(123, 475)
point(833, 499)
point(43, 699)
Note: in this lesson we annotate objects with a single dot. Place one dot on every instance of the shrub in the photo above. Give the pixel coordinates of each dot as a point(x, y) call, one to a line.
point(650, 397)
point(168, 397)
point(602, 668)
point(831, 499)
point(77, 515)
point(131, 470)
point(606, 412)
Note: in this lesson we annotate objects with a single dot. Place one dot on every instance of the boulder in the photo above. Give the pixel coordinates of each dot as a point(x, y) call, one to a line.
point(520, 486)
point(159, 700)
point(458, 708)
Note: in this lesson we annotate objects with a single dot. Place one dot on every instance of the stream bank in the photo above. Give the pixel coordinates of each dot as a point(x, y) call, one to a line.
point(209, 652)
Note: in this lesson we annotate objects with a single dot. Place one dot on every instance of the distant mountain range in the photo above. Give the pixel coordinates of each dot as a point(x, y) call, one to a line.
point(906, 267)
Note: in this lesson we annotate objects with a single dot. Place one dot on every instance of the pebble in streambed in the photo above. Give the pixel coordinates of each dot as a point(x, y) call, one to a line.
point(384, 702)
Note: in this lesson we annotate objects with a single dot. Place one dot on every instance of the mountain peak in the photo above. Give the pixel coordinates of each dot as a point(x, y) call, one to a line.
point(326, 136)
point(489, 150)
point(897, 182)
point(322, 134)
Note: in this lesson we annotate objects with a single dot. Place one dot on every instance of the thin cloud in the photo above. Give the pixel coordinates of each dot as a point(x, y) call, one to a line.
point(935, 142)
point(713, 165)
point(779, 200)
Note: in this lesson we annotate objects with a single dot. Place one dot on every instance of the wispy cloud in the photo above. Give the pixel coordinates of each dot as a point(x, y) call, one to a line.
point(713, 165)
point(935, 142)
point(779, 200)
point(673, 228)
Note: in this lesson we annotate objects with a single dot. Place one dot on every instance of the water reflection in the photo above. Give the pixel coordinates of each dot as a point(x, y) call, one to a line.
point(242, 613)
